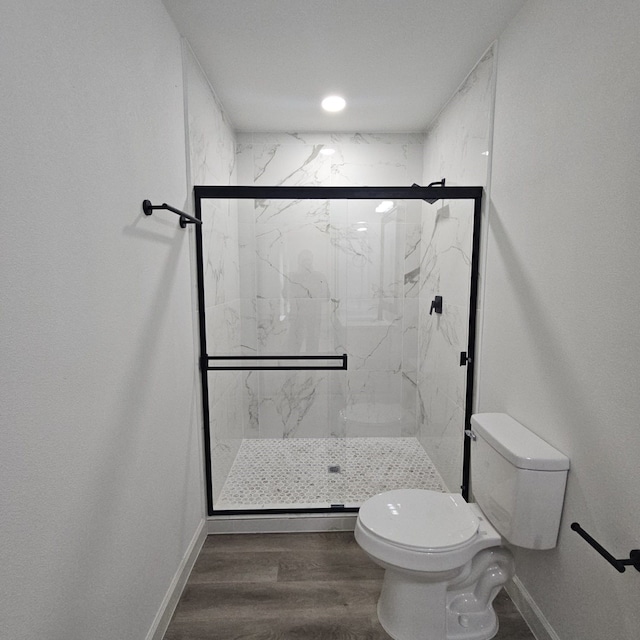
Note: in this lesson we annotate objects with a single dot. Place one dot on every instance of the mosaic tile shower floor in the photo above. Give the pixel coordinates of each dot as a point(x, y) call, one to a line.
point(294, 472)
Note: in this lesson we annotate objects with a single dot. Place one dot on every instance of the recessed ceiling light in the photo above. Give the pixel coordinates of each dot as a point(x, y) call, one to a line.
point(333, 103)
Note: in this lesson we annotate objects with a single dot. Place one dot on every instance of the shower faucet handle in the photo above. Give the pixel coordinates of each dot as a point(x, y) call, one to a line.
point(436, 305)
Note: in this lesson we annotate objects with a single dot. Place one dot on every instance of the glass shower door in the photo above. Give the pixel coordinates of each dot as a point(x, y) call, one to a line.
point(284, 447)
point(298, 281)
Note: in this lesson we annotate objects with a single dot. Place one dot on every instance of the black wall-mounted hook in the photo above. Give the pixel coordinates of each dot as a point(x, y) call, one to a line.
point(436, 305)
point(185, 218)
point(620, 565)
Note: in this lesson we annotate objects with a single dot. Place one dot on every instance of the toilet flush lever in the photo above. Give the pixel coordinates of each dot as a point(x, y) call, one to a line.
point(469, 433)
point(436, 305)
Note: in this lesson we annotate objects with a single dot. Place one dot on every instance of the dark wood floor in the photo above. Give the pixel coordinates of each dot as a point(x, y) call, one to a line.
point(292, 586)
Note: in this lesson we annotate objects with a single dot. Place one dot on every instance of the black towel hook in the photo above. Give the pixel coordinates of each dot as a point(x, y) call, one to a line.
point(185, 218)
point(620, 565)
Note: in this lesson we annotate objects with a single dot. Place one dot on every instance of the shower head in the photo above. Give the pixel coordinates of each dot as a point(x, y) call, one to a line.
point(439, 183)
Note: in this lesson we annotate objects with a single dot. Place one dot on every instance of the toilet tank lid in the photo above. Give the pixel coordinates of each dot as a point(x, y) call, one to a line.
point(523, 448)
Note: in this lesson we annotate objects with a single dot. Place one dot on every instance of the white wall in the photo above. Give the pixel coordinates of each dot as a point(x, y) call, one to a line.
point(99, 456)
point(561, 324)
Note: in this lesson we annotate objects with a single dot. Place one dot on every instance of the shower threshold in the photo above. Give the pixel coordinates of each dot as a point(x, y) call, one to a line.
point(296, 473)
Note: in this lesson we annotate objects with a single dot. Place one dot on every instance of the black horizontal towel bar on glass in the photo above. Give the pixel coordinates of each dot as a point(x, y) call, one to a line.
point(341, 366)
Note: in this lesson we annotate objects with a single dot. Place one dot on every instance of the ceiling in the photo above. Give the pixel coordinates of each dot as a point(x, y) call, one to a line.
point(396, 62)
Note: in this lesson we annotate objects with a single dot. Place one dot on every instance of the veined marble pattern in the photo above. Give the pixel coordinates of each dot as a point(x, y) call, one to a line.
point(331, 277)
point(294, 473)
point(457, 147)
point(212, 160)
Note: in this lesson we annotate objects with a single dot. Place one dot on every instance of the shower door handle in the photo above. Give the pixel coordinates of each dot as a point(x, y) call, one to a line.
point(205, 363)
point(436, 305)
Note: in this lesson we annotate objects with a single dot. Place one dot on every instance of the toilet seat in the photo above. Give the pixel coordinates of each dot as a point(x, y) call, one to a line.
point(419, 520)
point(429, 532)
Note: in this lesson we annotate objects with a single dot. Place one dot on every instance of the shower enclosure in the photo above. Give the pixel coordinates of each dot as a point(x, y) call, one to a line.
point(338, 365)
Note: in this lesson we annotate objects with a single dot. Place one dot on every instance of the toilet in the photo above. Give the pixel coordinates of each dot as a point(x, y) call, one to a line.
point(445, 559)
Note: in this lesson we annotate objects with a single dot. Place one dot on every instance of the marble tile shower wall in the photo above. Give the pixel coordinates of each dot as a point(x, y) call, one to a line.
point(457, 147)
point(212, 161)
point(320, 277)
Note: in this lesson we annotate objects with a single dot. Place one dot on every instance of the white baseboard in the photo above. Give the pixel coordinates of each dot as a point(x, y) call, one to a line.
point(530, 611)
point(170, 601)
point(282, 523)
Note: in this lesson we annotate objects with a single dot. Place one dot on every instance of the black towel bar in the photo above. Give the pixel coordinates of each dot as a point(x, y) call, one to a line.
point(206, 359)
point(620, 565)
point(185, 218)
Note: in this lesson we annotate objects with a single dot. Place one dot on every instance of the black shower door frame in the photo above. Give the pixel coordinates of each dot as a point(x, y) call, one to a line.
point(429, 194)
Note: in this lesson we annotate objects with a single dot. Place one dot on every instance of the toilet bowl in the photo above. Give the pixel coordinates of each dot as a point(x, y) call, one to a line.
point(437, 582)
point(444, 558)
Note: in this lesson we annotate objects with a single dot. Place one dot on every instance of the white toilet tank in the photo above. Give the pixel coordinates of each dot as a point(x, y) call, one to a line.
point(518, 480)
